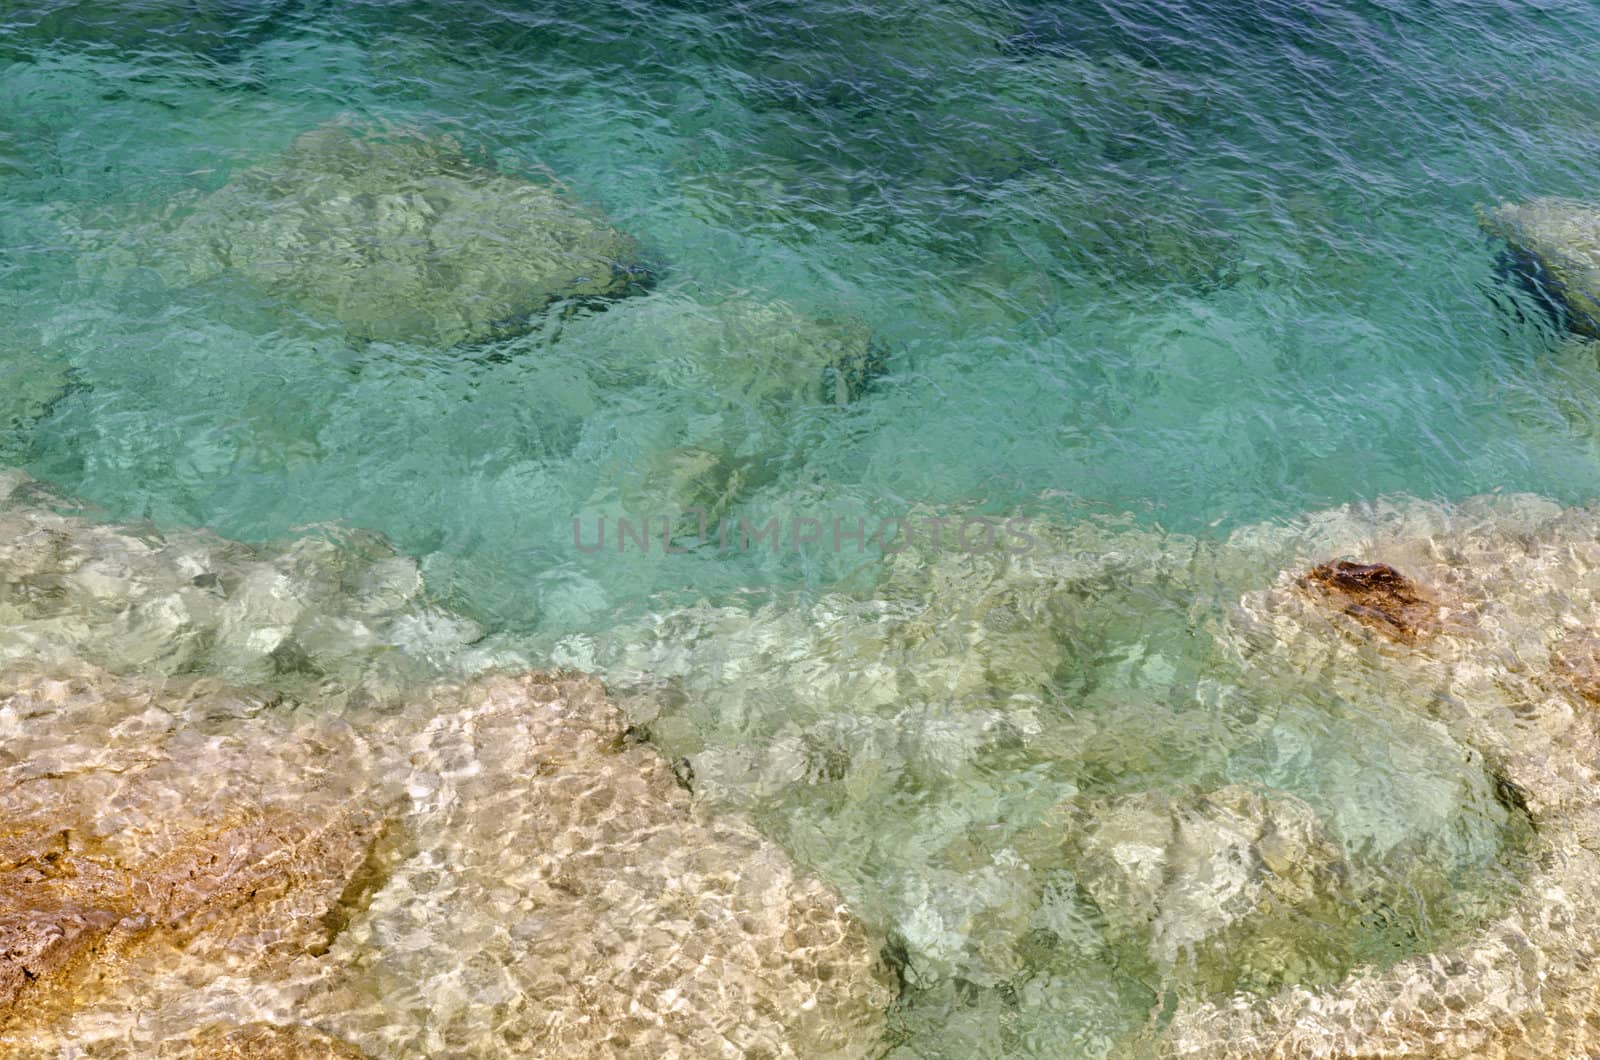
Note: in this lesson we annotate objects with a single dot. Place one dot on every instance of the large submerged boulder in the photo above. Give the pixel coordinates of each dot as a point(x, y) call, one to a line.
point(1557, 244)
point(1214, 889)
point(494, 870)
point(403, 237)
point(1062, 773)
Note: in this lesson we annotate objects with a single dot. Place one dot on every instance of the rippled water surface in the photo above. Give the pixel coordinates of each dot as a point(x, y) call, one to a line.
point(1153, 271)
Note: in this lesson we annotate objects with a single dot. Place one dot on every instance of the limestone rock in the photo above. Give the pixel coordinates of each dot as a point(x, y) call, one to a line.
point(1558, 242)
point(401, 237)
point(569, 900)
point(136, 847)
point(495, 870)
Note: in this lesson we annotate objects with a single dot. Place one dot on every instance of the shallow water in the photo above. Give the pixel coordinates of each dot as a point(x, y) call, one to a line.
point(1209, 265)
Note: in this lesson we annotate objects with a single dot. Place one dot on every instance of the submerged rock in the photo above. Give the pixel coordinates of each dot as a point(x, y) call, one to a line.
point(691, 487)
point(1557, 244)
point(570, 900)
point(738, 353)
point(1074, 751)
point(31, 381)
point(1215, 889)
point(1514, 681)
point(1377, 596)
point(401, 237)
point(493, 870)
point(261, 1041)
point(139, 850)
point(332, 611)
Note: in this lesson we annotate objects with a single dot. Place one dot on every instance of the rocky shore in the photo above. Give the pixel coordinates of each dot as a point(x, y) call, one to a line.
point(271, 801)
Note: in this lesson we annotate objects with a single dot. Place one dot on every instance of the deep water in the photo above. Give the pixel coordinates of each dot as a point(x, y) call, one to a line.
point(1193, 265)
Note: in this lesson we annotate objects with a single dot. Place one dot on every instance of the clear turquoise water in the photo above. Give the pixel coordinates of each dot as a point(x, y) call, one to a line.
point(1208, 263)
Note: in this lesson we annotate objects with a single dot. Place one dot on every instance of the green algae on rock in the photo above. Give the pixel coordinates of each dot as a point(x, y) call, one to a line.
point(403, 238)
point(1558, 244)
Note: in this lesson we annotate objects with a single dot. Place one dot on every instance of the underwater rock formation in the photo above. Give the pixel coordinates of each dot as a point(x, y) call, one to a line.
point(324, 612)
point(493, 870)
point(569, 901)
point(401, 237)
point(738, 352)
point(1512, 678)
point(971, 746)
point(721, 385)
point(145, 842)
point(260, 1041)
point(1377, 596)
point(691, 486)
point(1557, 245)
point(325, 835)
point(30, 382)
point(1206, 884)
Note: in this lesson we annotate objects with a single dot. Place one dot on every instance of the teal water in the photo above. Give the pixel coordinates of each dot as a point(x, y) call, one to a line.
point(1209, 264)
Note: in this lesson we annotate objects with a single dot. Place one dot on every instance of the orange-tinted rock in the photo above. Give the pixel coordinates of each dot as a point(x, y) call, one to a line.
point(1575, 662)
point(1377, 596)
point(130, 846)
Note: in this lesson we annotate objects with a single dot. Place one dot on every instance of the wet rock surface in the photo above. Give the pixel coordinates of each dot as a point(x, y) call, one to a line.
point(402, 237)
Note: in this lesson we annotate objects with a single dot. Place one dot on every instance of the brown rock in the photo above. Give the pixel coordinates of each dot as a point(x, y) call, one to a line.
point(1377, 596)
point(1575, 663)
